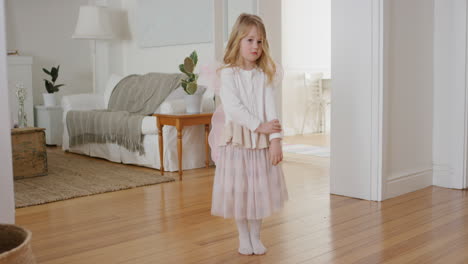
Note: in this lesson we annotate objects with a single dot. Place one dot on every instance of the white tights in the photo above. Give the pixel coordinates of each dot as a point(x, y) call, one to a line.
point(249, 239)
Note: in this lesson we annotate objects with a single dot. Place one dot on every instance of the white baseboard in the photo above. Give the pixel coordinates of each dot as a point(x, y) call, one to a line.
point(447, 176)
point(408, 182)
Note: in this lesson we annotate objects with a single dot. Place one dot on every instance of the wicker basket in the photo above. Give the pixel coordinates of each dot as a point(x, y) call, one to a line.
point(15, 245)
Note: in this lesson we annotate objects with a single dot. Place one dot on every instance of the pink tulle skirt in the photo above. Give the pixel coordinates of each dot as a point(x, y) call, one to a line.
point(246, 184)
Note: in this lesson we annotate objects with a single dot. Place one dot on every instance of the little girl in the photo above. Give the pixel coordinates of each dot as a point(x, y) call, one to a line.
point(249, 183)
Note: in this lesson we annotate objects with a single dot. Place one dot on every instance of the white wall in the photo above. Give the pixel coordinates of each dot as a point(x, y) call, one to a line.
point(270, 12)
point(450, 131)
point(43, 29)
point(219, 28)
point(109, 52)
point(130, 58)
point(157, 59)
point(409, 93)
point(234, 9)
point(119, 21)
point(7, 204)
point(306, 36)
point(167, 59)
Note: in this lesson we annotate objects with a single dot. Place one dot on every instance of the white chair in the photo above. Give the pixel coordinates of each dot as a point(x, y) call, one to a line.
point(315, 102)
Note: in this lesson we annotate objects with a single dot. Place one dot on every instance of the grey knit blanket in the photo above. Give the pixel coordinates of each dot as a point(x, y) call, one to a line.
point(133, 98)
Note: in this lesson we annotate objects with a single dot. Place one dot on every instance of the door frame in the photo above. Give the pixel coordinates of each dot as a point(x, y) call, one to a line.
point(7, 202)
point(357, 112)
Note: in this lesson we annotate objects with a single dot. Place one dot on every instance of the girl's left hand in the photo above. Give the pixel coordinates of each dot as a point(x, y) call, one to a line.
point(276, 152)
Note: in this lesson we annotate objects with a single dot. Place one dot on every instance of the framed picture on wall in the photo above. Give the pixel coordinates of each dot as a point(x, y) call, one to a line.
point(176, 22)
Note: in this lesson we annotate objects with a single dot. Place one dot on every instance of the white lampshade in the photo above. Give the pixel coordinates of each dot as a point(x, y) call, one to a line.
point(93, 23)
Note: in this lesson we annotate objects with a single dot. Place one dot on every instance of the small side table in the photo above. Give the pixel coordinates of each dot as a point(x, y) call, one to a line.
point(180, 120)
point(50, 118)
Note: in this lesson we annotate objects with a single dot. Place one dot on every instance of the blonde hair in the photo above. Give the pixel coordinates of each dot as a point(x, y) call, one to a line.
point(240, 29)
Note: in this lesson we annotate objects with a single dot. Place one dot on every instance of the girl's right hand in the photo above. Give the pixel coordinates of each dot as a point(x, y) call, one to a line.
point(273, 126)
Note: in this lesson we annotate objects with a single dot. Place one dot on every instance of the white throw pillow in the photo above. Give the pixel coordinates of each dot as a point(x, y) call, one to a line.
point(113, 80)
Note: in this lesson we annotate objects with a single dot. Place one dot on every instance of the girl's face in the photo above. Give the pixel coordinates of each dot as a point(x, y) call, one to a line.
point(251, 47)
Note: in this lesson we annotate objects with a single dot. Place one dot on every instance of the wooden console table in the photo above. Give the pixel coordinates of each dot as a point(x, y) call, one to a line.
point(180, 120)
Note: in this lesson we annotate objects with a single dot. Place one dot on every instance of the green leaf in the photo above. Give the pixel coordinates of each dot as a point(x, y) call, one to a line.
point(58, 86)
point(189, 65)
point(184, 85)
point(49, 86)
point(194, 57)
point(45, 84)
point(46, 71)
point(182, 69)
point(192, 77)
point(54, 73)
point(191, 88)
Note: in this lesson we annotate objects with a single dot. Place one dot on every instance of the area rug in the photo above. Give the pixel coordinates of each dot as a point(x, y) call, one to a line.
point(72, 175)
point(306, 150)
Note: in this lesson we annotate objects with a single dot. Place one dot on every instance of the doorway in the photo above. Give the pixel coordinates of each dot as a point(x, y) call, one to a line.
point(306, 87)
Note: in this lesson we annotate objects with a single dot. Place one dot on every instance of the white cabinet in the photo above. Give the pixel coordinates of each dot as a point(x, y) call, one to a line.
point(19, 72)
point(50, 118)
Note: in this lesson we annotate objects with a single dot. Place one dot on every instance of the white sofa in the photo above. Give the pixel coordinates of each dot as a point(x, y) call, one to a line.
point(193, 136)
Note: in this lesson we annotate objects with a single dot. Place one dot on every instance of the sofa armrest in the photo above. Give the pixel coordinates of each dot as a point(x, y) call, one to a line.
point(178, 106)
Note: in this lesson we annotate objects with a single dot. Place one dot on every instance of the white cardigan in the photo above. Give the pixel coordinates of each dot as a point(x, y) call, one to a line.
point(248, 99)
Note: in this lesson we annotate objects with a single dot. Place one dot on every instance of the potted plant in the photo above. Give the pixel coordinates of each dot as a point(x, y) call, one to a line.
point(194, 92)
point(51, 87)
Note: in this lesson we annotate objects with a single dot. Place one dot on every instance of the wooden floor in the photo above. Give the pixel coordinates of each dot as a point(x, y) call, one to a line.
point(321, 140)
point(171, 223)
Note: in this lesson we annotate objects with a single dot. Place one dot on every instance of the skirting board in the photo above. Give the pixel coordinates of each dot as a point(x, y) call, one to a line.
point(408, 183)
point(444, 176)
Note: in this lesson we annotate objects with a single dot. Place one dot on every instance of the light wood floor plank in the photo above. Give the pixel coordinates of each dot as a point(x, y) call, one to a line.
point(171, 223)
